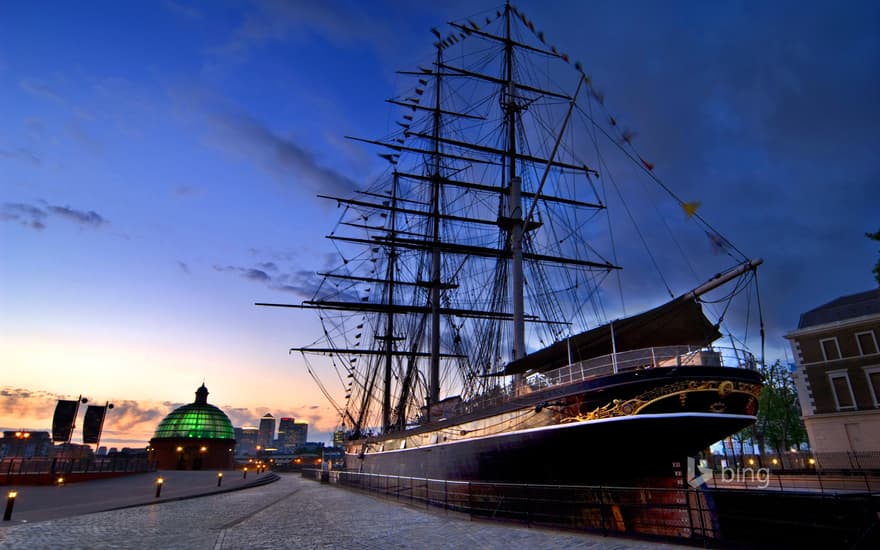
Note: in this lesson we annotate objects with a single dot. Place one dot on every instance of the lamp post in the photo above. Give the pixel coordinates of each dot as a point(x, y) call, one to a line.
point(10, 503)
point(219, 478)
point(159, 482)
point(244, 475)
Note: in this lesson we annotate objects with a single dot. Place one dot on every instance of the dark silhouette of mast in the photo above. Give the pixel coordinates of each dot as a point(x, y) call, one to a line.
point(389, 318)
point(515, 237)
point(436, 182)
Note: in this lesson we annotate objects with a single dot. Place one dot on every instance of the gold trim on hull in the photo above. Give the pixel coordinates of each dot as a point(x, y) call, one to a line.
point(724, 388)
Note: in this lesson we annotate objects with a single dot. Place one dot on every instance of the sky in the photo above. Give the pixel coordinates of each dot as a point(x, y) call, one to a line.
point(160, 161)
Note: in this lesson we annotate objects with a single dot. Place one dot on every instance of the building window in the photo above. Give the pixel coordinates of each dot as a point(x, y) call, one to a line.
point(842, 390)
point(873, 374)
point(867, 342)
point(830, 349)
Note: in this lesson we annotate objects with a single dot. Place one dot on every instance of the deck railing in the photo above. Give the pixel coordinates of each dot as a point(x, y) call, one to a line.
point(614, 363)
point(625, 361)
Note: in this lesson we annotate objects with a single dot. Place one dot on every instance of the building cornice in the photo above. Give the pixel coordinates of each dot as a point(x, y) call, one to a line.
point(825, 327)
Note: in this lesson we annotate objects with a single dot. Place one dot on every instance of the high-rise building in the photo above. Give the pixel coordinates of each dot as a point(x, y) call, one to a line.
point(300, 434)
point(246, 440)
point(292, 434)
point(285, 432)
point(266, 436)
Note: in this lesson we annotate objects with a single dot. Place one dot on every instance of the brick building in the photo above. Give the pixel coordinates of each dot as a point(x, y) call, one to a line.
point(838, 376)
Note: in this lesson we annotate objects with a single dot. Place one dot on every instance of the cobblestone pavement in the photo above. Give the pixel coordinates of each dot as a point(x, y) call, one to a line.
point(40, 503)
point(291, 513)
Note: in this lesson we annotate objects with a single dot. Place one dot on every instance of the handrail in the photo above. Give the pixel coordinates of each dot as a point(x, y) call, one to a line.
point(613, 363)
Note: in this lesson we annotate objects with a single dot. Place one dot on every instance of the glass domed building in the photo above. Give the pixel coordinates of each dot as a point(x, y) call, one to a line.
point(194, 437)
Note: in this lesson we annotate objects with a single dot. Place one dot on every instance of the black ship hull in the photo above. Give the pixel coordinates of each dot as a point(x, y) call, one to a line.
point(688, 410)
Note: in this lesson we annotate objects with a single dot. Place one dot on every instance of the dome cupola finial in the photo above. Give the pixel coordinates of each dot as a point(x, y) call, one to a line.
point(202, 394)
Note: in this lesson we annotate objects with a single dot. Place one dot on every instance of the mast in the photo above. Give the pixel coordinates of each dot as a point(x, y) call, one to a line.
point(434, 374)
point(389, 320)
point(514, 200)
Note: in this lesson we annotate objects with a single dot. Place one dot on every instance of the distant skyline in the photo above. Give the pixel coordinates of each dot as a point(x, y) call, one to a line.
point(129, 423)
point(160, 161)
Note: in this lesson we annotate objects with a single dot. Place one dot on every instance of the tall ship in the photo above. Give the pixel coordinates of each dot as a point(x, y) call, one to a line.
point(481, 321)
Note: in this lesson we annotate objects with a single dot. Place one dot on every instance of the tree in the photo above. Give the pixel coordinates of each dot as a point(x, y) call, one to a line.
point(779, 424)
point(876, 270)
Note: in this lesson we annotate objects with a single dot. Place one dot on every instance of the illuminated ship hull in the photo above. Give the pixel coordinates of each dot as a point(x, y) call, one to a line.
point(619, 429)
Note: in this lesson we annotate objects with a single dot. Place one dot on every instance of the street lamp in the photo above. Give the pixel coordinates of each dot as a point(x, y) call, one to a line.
point(10, 502)
point(159, 482)
point(219, 478)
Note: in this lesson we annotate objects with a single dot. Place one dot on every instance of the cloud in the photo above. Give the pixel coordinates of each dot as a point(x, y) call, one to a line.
point(40, 89)
point(186, 190)
point(249, 273)
point(301, 283)
point(21, 154)
point(36, 128)
point(90, 218)
point(304, 283)
point(36, 217)
point(285, 159)
point(25, 403)
point(183, 11)
point(299, 20)
point(25, 214)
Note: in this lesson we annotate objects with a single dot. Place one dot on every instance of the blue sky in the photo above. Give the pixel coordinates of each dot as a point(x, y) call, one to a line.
point(159, 163)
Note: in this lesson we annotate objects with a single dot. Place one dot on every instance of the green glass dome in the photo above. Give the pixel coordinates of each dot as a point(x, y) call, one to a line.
point(198, 420)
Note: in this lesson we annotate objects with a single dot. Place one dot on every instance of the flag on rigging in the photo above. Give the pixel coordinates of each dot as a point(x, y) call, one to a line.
point(719, 243)
point(690, 208)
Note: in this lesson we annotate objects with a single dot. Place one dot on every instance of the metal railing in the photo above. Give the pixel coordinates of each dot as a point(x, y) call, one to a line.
point(830, 472)
point(11, 467)
point(679, 514)
point(695, 515)
point(625, 361)
point(647, 358)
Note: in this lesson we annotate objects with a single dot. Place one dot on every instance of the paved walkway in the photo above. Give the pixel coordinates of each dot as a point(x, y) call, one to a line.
point(39, 503)
point(291, 513)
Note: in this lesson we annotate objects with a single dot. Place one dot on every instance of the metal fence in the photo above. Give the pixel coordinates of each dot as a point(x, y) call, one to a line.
point(868, 461)
point(798, 470)
point(680, 514)
point(703, 516)
point(44, 466)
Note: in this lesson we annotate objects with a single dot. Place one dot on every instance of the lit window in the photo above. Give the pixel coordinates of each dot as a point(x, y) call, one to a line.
point(830, 349)
point(867, 342)
point(843, 395)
